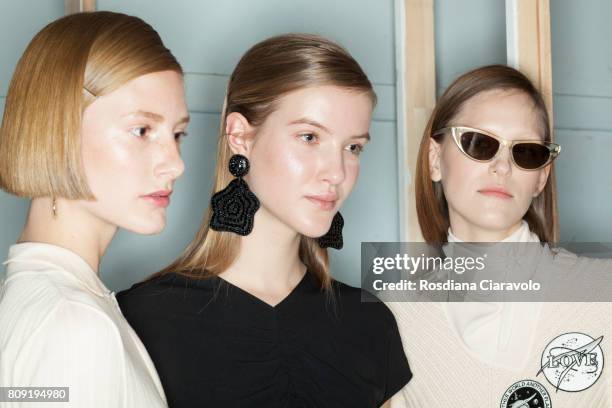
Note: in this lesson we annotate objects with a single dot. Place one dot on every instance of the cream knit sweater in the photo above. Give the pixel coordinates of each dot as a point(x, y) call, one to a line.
point(468, 354)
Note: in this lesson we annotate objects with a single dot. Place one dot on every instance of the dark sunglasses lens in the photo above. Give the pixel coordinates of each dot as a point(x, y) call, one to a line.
point(530, 155)
point(479, 146)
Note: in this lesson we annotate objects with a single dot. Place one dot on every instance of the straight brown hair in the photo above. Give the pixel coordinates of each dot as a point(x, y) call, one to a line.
point(264, 74)
point(432, 208)
point(65, 67)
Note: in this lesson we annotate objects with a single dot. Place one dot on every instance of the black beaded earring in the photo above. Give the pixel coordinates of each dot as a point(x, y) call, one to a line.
point(333, 238)
point(234, 207)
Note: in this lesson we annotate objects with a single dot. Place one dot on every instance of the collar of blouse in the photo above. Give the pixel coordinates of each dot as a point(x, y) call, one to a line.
point(36, 257)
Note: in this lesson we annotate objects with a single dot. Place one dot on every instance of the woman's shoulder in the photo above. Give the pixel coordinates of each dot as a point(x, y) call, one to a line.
point(46, 287)
point(163, 292)
point(58, 328)
point(32, 303)
point(166, 283)
point(374, 324)
point(362, 306)
point(85, 323)
point(351, 292)
point(153, 285)
point(73, 343)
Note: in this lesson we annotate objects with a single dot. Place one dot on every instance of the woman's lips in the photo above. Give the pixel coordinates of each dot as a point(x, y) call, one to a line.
point(324, 202)
point(159, 198)
point(496, 192)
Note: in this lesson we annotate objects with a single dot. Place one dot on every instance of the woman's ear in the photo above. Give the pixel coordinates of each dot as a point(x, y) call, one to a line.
point(542, 179)
point(434, 160)
point(239, 133)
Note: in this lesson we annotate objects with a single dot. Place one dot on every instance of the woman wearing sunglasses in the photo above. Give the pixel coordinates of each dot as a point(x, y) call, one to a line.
point(486, 156)
point(249, 315)
point(485, 174)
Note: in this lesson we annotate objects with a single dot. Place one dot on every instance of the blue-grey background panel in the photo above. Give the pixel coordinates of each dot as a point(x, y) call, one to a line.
point(208, 37)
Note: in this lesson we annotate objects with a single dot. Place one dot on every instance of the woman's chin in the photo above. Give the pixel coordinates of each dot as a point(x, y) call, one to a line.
point(493, 219)
point(152, 227)
point(314, 231)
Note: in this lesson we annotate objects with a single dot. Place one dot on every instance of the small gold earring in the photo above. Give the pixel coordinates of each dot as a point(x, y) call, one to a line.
point(54, 207)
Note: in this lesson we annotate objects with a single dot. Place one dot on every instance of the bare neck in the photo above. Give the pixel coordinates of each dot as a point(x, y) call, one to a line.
point(72, 228)
point(268, 262)
point(471, 233)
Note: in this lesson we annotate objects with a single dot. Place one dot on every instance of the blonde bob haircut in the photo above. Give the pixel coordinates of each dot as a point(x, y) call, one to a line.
point(265, 73)
point(64, 68)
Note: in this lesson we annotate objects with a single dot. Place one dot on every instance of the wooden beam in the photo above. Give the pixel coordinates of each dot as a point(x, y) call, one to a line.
point(419, 96)
point(528, 43)
point(77, 6)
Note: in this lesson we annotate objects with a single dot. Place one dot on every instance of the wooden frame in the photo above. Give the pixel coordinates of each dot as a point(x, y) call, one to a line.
point(416, 100)
point(76, 6)
point(528, 43)
point(528, 49)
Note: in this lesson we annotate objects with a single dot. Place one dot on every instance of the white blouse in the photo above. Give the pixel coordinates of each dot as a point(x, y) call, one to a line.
point(61, 327)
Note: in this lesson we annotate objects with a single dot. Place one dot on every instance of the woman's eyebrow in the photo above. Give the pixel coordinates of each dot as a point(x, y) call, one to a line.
point(364, 136)
point(155, 116)
point(314, 123)
point(184, 119)
point(307, 121)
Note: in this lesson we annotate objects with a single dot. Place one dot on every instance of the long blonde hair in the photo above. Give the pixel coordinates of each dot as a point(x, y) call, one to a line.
point(265, 73)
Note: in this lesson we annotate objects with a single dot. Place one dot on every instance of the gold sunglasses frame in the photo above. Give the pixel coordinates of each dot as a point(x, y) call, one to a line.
point(457, 131)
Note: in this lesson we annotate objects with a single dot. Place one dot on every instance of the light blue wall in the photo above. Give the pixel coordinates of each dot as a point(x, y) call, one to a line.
point(582, 84)
point(469, 34)
point(19, 21)
point(208, 37)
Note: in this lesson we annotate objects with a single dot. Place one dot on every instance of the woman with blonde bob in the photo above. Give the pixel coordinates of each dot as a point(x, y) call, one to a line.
point(485, 173)
point(91, 128)
point(249, 315)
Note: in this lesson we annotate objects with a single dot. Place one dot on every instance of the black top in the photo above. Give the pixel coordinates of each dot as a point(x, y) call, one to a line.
point(216, 345)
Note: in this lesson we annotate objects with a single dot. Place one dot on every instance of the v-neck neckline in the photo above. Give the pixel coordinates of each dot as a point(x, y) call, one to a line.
point(258, 300)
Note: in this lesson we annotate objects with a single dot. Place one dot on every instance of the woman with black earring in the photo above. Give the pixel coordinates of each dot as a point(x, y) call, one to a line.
point(249, 315)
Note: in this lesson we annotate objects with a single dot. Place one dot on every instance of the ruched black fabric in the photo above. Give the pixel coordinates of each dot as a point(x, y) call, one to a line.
point(215, 345)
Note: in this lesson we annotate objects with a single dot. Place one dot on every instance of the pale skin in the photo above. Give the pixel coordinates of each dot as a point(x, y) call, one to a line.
point(130, 142)
point(476, 216)
point(308, 147)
